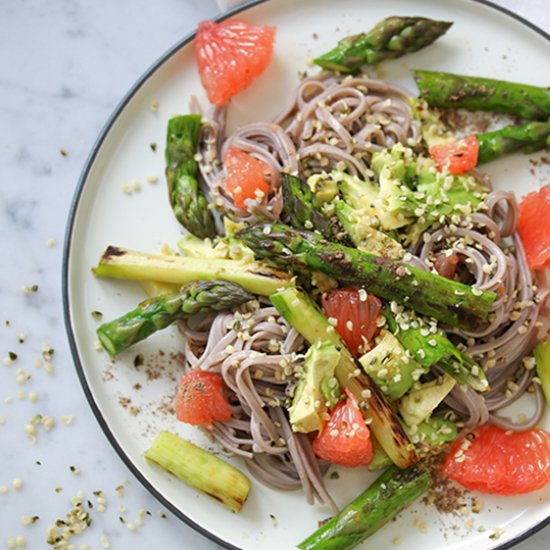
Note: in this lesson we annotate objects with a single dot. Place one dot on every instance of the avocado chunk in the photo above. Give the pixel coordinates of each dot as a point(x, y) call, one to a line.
point(227, 248)
point(542, 358)
point(434, 132)
point(433, 432)
point(323, 187)
point(419, 404)
point(410, 186)
point(194, 247)
point(330, 388)
point(391, 366)
point(309, 403)
point(231, 227)
point(380, 459)
point(365, 197)
point(364, 236)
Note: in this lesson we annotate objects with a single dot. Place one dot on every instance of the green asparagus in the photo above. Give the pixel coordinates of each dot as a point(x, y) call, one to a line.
point(448, 301)
point(453, 91)
point(301, 208)
point(188, 201)
point(392, 37)
point(161, 311)
point(391, 493)
point(527, 138)
point(200, 469)
point(429, 346)
point(121, 263)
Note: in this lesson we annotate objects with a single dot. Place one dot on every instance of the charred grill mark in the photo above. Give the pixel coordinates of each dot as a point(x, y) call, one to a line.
point(215, 497)
point(271, 274)
point(379, 406)
point(113, 251)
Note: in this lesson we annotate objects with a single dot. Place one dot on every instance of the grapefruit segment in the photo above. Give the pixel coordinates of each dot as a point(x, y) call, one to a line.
point(200, 398)
point(246, 177)
point(230, 55)
point(534, 227)
point(493, 460)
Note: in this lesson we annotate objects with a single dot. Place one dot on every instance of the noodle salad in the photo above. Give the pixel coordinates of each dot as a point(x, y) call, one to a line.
point(351, 290)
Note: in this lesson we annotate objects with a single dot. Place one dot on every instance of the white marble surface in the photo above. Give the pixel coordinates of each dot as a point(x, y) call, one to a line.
point(64, 66)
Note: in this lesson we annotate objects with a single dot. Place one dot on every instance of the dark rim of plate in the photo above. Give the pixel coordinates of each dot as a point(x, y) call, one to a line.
point(65, 270)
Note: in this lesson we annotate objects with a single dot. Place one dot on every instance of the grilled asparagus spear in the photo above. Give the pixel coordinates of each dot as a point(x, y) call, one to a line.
point(161, 311)
point(392, 37)
point(448, 301)
point(188, 201)
point(200, 469)
point(434, 348)
point(453, 91)
point(391, 493)
point(120, 263)
point(527, 138)
point(301, 208)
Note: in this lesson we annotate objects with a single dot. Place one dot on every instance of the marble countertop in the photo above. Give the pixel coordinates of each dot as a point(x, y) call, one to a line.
point(65, 65)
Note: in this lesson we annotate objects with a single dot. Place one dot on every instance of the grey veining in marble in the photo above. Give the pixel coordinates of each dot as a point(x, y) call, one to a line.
point(64, 65)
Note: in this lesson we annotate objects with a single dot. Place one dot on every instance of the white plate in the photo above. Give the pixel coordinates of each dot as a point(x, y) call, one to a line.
point(483, 41)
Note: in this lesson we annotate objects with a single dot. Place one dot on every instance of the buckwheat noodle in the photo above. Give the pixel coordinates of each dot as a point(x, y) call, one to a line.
point(257, 353)
point(336, 122)
point(332, 122)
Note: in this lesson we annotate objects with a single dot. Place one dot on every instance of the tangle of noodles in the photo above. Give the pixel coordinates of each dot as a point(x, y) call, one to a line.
point(333, 122)
point(256, 352)
point(337, 122)
point(491, 257)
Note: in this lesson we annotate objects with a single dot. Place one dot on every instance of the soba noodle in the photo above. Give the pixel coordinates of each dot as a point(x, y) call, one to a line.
point(337, 122)
point(257, 354)
point(333, 122)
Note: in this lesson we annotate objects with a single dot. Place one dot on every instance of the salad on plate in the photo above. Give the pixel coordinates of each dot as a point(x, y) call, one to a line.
point(350, 289)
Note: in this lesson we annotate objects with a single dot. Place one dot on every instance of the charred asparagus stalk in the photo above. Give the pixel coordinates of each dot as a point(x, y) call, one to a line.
point(392, 37)
point(200, 469)
point(301, 208)
point(121, 263)
point(448, 301)
point(434, 348)
point(527, 138)
point(453, 91)
point(188, 201)
point(161, 311)
point(305, 316)
point(391, 493)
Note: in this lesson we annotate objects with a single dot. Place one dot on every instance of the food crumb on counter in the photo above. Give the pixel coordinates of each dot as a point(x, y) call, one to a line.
point(26, 289)
point(67, 419)
point(17, 483)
